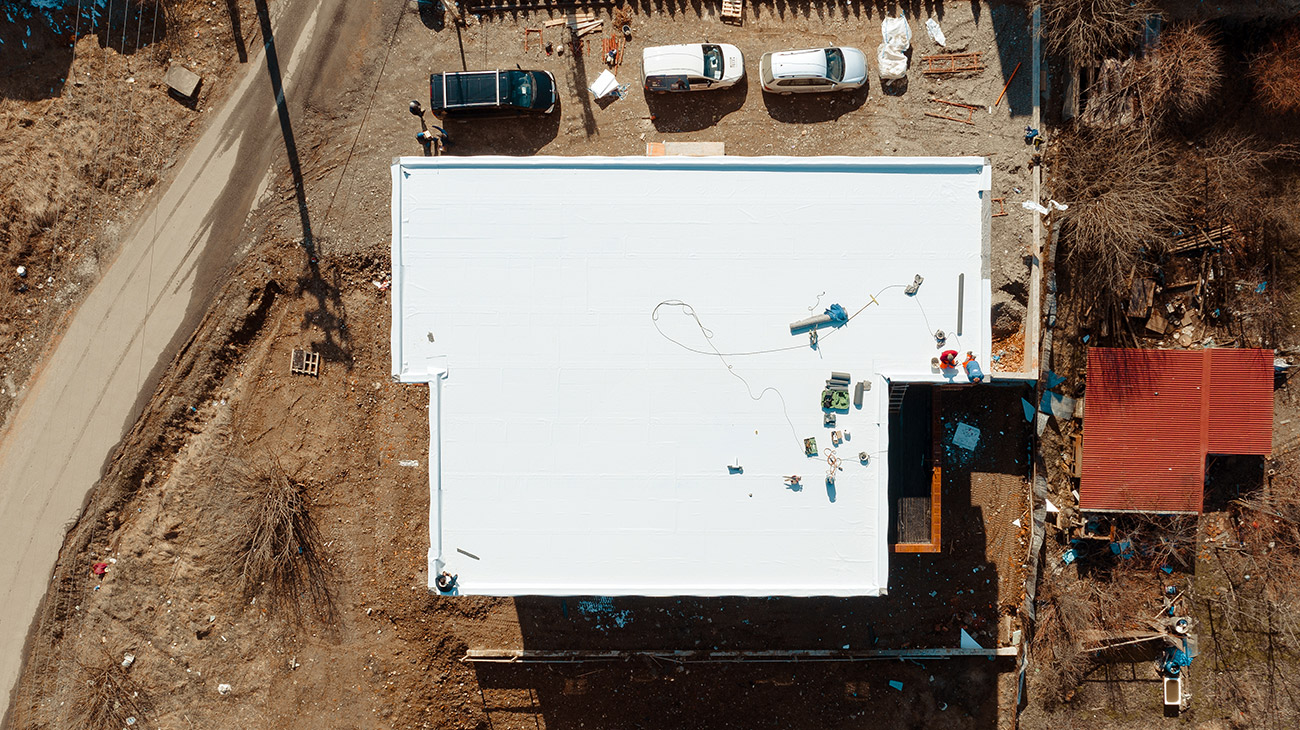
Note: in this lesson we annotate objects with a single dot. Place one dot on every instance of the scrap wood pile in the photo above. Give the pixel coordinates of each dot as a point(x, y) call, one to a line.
point(575, 28)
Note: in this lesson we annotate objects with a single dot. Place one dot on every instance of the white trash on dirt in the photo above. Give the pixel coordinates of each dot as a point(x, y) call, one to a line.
point(1038, 208)
point(224, 689)
point(408, 462)
point(128, 660)
point(604, 85)
point(936, 33)
point(891, 56)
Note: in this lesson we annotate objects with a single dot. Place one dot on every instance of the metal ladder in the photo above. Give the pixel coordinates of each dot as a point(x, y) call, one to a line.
point(896, 393)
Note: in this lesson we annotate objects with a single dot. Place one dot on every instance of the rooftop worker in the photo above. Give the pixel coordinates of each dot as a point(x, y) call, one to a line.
point(973, 370)
point(948, 359)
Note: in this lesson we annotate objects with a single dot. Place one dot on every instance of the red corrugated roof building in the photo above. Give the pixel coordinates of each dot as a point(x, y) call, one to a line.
point(1151, 416)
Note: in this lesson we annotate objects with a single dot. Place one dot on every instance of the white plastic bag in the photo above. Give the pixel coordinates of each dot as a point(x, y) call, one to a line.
point(892, 64)
point(897, 33)
point(936, 33)
point(604, 84)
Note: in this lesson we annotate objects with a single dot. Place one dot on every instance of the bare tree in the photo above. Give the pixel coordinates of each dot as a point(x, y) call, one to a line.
point(1089, 31)
point(1276, 71)
point(1125, 197)
point(1182, 73)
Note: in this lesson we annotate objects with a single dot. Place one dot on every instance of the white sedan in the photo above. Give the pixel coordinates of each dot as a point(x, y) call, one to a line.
point(691, 67)
point(813, 70)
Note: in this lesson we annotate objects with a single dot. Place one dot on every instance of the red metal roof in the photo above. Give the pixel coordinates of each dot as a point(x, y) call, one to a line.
point(1151, 416)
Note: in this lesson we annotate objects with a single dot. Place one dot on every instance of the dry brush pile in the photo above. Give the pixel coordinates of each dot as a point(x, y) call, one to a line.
point(276, 551)
point(110, 698)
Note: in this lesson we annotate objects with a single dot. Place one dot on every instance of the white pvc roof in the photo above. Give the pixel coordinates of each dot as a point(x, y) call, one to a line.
point(575, 450)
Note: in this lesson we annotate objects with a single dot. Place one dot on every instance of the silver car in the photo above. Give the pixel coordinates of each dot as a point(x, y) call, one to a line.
point(813, 70)
point(691, 67)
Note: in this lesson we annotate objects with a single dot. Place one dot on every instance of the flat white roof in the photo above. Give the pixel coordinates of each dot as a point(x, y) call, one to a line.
point(576, 450)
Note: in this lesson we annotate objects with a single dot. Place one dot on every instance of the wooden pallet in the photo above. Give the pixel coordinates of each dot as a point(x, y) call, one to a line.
point(951, 63)
point(733, 11)
point(305, 363)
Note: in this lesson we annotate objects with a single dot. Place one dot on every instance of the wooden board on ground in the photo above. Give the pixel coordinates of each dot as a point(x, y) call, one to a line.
point(685, 149)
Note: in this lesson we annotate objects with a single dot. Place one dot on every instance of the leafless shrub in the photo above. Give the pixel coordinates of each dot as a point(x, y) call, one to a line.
point(276, 551)
point(1124, 197)
point(1152, 541)
point(1182, 73)
point(1276, 72)
point(1065, 616)
point(109, 695)
point(1089, 31)
point(1238, 182)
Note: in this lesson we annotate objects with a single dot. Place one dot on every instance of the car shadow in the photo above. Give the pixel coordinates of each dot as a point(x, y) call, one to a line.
point(501, 136)
point(809, 108)
point(694, 110)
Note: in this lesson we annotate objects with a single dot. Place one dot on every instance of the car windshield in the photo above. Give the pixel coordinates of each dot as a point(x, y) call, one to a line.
point(713, 62)
point(518, 88)
point(834, 64)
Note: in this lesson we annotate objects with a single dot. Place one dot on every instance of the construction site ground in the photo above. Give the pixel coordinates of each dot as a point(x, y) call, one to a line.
point(162, 518)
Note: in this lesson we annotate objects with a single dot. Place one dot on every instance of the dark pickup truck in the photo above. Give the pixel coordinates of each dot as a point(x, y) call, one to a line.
point(492, 93)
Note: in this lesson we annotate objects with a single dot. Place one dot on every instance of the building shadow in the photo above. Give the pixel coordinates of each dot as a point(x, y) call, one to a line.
point(645, 693)
point(692, 111)
point(1013, 34)
point(37, 43)
point(813, 108)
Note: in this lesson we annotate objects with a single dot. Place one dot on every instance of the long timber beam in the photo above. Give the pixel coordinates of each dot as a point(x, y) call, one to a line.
point(551, 656)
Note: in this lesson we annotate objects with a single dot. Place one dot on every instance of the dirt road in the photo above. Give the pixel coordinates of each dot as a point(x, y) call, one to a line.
point(91, 388)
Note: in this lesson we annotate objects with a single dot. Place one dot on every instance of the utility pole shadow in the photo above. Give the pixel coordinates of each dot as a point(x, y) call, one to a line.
point(286, 126)
point(328, 312)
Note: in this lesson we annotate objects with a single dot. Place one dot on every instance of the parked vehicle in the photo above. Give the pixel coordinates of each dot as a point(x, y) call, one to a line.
point(812, 70)
point(691, 67)
point(492, 93)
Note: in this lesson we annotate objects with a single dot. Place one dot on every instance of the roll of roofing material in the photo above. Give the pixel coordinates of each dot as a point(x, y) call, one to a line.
point(804, 324)
point(836, 375)
point(857, 394)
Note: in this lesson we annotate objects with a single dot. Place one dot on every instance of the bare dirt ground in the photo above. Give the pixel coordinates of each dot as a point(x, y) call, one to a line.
point(162, 517)
point(87, 130)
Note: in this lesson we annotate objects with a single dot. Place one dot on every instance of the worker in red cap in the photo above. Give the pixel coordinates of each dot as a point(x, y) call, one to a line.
point(948, 359)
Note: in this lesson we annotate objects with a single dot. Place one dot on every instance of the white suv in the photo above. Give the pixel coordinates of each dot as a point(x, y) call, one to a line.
point(813, 70)
point(691, 67)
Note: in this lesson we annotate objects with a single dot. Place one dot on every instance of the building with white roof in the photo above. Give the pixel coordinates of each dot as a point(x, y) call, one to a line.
point(616, 396)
